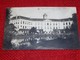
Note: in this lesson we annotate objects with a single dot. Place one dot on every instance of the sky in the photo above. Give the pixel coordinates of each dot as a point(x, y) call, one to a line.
point(38, 12)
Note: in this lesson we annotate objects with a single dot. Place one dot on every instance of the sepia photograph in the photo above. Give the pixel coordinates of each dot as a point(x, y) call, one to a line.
point(41, 28)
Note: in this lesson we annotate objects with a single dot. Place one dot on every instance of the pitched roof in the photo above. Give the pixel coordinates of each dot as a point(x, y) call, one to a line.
point(39, 19)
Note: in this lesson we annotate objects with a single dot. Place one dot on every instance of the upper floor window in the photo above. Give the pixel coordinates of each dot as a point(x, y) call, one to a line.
point(66, 23)
point(23, 27)
point(23, 22)
point(47, 23)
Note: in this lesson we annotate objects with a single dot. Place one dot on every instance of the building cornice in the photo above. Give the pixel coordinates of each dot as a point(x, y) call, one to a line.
point(39, 19)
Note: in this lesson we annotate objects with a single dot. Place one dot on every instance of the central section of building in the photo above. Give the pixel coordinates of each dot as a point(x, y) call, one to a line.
point(41, 24)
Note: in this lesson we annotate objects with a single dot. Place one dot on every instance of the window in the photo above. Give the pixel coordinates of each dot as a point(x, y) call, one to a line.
point(23, 22)
point(56, 27)
point(47, 23)
point(23, 27)
point(50, 23)
point(31, 23)
point(69, 23)
point(53, 24)
point(47, 27)
point(18, 26)
point(16, 22)
point(50, 28)
point(56, 23)
point(63, 23)
point(64, 27)
point(53, 27)
point(66, 23)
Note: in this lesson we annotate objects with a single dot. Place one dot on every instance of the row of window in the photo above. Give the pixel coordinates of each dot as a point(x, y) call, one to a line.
point(25, 27)
point(67, 23)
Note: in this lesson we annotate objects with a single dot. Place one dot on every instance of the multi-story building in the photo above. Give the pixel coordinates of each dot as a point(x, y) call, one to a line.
point(45, 24)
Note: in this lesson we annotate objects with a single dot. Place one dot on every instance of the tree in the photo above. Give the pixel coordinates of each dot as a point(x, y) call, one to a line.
point(8, 14)
point(67, 30)
point(74, 29)
point(8, 31)
point(74, 25)
point(33, 30)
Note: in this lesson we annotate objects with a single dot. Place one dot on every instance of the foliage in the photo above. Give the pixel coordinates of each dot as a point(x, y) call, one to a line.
point(9, 30)
point(33, 30)
point(74, 25)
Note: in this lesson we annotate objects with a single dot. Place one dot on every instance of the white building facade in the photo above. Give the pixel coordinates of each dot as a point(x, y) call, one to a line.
point(47, 25)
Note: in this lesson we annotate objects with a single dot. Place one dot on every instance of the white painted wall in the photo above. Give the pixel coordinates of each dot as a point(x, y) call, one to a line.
point(27, 24)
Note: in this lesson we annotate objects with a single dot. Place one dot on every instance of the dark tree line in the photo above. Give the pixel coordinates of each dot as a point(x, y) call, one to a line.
point(74, 28)
point(8, 31)
point(33, 30)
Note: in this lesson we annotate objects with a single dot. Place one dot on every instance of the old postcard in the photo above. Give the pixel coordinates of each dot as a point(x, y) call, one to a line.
point(41, 28)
